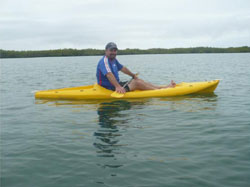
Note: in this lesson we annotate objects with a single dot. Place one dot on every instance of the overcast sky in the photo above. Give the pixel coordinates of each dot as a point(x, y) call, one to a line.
point(54, 24)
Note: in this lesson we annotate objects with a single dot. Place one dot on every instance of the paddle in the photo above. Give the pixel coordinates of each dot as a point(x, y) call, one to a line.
point(119, 95)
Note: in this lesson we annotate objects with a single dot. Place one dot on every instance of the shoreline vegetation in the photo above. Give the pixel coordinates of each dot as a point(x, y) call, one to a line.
point(97, 52)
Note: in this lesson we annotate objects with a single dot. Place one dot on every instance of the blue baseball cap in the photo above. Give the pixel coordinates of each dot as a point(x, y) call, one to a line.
point(111, 45)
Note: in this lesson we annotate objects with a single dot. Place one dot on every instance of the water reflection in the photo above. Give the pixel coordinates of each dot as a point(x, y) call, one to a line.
point(190, 103)
point(117, 116)
point(113, 121)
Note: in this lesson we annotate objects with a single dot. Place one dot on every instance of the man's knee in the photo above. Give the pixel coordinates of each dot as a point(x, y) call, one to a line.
point(135, 83)
point(139, 81)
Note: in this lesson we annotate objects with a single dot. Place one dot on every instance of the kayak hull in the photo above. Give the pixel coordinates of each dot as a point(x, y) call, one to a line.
point(97, 92)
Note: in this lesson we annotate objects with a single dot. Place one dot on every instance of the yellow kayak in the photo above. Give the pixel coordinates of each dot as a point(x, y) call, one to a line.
point(98, 92)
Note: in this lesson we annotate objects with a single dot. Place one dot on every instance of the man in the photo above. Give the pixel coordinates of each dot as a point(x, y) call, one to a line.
point(108, 77)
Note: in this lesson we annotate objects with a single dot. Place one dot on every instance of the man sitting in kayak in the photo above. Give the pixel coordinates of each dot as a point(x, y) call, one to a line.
point(108, 77)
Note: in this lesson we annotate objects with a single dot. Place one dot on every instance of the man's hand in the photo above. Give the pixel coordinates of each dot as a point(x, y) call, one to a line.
point(120, 90)
point(135, 76)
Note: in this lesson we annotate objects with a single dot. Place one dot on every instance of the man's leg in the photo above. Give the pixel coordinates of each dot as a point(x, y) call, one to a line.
point(171, 85)
point(138, 84)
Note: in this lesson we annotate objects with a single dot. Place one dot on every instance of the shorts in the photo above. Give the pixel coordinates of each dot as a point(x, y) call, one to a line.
point(122, 83)
point(126, 87)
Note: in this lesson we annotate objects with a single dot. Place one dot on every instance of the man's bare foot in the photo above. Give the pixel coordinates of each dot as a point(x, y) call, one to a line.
point(171, 85)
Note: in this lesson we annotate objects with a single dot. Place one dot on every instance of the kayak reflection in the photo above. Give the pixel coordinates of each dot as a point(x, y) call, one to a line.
point(113, 121)
point(191, 103)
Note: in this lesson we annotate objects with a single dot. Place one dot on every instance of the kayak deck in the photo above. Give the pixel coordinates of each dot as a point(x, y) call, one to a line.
point(97, 92)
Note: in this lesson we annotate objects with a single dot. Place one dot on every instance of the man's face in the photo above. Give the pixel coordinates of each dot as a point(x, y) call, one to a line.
point(111, 53)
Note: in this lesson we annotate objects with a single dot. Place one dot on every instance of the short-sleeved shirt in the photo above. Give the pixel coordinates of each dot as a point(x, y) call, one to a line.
point(105, 66)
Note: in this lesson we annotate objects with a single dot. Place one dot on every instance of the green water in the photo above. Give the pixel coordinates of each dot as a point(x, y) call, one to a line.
point(197, 140)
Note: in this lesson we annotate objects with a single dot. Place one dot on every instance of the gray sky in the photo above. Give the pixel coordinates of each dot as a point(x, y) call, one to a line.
point(53, 24)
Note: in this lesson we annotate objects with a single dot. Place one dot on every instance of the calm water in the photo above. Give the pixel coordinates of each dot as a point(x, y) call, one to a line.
point(198, 140)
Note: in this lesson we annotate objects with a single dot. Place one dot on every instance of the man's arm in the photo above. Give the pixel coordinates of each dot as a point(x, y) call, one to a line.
point(128, 72)
point(113, 81)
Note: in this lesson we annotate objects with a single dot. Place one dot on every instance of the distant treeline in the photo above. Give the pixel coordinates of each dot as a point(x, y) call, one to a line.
point(95, 52)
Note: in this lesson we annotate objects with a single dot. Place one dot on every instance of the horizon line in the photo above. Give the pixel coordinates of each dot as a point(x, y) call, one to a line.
point(121, 49)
